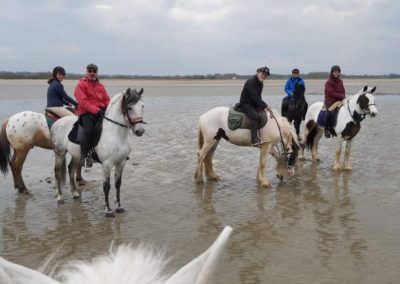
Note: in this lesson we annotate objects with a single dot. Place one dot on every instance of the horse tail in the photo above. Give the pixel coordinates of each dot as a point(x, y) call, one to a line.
point(200, 138)
point(5, 149)
point(312, 132)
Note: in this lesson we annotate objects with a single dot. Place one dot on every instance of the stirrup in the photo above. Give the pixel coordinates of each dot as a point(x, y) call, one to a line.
point(86, 162)
point(327, 133)
point(258, 142)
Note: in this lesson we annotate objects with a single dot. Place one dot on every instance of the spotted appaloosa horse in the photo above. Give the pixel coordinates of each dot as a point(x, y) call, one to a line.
point(22, 132)
point(213, 125)
point(125, 266)
point(355, 108)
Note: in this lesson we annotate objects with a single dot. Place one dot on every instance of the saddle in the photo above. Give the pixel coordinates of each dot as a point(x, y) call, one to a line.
point(76, 133)
point(52, 115)
point(237, 119)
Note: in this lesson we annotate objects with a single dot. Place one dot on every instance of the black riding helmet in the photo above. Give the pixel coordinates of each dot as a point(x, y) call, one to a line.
point(335, 68)
point(58, 69)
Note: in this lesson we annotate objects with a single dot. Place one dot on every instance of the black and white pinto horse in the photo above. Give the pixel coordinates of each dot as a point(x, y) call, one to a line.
point(294, 108)
point(123, 115)
point(354, 109)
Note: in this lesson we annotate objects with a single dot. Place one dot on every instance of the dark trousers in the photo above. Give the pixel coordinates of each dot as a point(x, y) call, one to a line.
point(87, 121)
point(252, 114)
point(328, 120)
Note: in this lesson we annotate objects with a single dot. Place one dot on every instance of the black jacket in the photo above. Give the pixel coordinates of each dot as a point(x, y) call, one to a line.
point(251, 94)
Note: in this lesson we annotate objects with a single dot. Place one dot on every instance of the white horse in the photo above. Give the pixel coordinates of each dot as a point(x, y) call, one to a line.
point(124, 266)
point(22, 132)
point(351, 113)
point(213, 125)
point(124, 114)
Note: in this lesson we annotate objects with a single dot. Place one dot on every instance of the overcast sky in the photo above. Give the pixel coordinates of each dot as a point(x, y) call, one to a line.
point(177, 37)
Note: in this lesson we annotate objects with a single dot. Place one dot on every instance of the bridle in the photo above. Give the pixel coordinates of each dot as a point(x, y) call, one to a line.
point(285, 152)
point(132, 122)
point(358, 117)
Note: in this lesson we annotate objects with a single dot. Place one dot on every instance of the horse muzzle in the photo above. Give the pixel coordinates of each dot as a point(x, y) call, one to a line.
point(138, 130)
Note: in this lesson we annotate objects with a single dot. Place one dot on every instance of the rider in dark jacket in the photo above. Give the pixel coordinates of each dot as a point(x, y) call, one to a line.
point(251, 101)
point(56, 95)
point(334, 91)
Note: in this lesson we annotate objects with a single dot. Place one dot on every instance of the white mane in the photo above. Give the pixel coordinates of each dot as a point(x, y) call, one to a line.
point(125, 265)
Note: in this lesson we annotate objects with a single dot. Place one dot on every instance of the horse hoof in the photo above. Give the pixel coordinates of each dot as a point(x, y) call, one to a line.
point(76, 197)
point(23, 191)
point(81, 182)
point(60, 201)
point(302, 159)
point(213, 178)
point(120, 210)
point(110, 214)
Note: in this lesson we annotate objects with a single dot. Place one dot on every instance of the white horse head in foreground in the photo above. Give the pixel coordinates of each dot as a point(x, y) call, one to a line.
point(124, 266)
point(213, 125)
point(124, 114)
point(354, 109)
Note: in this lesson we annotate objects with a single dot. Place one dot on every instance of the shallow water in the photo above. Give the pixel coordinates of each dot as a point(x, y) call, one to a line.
point(319, 226)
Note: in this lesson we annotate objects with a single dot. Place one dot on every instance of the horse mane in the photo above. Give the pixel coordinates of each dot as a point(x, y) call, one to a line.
point(125, 265)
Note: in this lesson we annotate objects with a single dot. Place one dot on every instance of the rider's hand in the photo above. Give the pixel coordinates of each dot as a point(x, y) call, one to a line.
point(100, 113)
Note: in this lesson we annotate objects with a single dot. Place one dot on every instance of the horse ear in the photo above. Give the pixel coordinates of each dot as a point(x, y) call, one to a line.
point(128, 91)
point(373, 89)
point(140, 92)
point(365, 88)
point(200, 269)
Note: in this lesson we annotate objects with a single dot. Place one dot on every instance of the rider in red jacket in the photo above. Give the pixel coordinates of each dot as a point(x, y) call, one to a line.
point(334, 91)
point(92, 100)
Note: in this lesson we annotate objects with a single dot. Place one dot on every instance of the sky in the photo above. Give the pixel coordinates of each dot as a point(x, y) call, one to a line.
point(199, 37)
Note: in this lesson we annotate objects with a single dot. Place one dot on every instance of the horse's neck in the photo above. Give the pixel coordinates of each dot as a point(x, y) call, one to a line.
point(352, 104)
point(113, 112)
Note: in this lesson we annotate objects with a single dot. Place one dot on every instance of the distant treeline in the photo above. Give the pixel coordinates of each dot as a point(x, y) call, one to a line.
point(311, 75)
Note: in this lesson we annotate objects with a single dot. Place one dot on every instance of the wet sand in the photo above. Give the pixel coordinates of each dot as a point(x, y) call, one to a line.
point(319, 226)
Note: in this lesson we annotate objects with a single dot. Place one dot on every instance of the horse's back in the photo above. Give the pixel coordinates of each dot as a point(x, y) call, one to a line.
point(214, 118)
point(28, 128)
point(313, 111)
point(60, 130)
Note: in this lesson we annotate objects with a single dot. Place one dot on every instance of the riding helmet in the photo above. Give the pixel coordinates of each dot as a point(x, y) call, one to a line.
point(335, 68)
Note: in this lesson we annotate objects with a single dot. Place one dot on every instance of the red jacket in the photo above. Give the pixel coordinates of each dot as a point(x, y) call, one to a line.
point(334, 91)
point(91, 96)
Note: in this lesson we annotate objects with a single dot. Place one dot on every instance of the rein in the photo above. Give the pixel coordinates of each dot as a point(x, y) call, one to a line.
point(285, 153)
point(131, 123)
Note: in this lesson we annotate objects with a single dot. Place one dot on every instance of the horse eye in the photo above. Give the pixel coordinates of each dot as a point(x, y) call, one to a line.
point(129, 108)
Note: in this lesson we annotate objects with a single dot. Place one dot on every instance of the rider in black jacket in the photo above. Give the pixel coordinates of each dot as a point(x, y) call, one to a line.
point(251, 101)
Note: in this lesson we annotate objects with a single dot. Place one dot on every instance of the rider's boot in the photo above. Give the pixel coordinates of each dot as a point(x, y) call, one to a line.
point(328, 124)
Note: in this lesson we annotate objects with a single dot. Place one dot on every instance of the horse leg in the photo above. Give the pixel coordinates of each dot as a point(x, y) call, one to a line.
point(81, 181)
point(261, 179)
point(314, 150)
point(119, 167)
point(16, 165)
point(347, 165)
point(106, 188)
point(72, 169)
point(336, 164)
point(201, 155)
point(297, 123)
point(208, 166)
point(59, 172)
point(302, 146)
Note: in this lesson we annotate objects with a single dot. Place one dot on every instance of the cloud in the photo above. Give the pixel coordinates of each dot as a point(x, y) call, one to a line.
point(198, 37)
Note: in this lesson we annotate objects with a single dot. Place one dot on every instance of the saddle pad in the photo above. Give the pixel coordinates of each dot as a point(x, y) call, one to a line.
point(237, 119)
